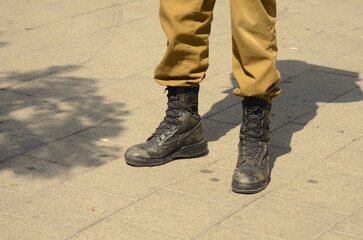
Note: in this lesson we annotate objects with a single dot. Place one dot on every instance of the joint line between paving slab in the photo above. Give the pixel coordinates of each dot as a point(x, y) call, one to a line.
point(325, 208)
point(142, 226)
point(64, 19)
point(123, 23)
point(141, 198)
point(147, 227)
point(335, 175)
point(92, 224)
point(34, 220)
point(98, 191)
point(326, 230)
point(110, 216)
point(9, 191)
point(255, 233)
point(42, 145)
point(334, 73)
point(198, 196)
point(164, 187)
point(347, 234)
point(222, 111)
point(326, 128)
point(234, 212)
point(307, 113)
point(264, 195)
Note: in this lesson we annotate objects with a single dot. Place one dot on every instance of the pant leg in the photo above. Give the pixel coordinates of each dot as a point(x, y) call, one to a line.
point(254, 48)
point(187, 25)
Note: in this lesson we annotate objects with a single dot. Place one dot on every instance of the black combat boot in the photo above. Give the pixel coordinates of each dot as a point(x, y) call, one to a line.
point(179, 135)
point(252, 173)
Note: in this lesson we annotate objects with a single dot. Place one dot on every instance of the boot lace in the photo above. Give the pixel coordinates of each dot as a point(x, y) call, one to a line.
point(171, 118)
point(251, 135)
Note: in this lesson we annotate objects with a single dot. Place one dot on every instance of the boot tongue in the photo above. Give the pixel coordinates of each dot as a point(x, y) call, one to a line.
point(178, 96)
point(253, 129)
point(171, 115)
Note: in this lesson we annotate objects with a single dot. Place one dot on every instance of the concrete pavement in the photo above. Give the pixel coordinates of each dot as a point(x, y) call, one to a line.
point(76, 91)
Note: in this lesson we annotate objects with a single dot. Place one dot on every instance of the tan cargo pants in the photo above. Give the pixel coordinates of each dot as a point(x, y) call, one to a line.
point(187, 25)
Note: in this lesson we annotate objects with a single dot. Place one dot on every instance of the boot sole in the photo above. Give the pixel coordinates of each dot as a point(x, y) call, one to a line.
point(248, 188)
point(195, 150)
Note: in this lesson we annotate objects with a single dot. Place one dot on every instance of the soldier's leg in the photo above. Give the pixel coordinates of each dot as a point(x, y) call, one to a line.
point(186, 24)
point(254, 60)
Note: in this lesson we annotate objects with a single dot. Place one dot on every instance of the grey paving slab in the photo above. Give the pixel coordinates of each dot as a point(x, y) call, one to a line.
point(331, 235)
point(61, 32)
point(17, 70)
point(15, 106)
point(43, 126)
point(55, 89)
point(68, 207)
point(339, 72)
point(284, 165)
point(342, 44)
point(83, 6)
point(342, 114)
point(355, 53)
point(53, 121)
point(78, 152)
point(128, 61)
point(77, 51)
point(11, 145)
point(18, 228)
point(133, 91)
point(353, 224)
point(219, 232)
point(28, 20)
point(123, 180)
point(282, 219)
point(188, 166)
point(346, 162)
point(307, 29)
point(8, 199)
point(149, 26)
point(357, 144)
point(324, 191)
point(133, 130)
point(176, 213)
point(215, 184)
point(301, 51)
point(27, 175)
point(221, 136)
point(92, 110)
point(323, 82)
point(298, 137)
point(22, 6)
point(298, 93)
point(153, 112)
point(113, 227)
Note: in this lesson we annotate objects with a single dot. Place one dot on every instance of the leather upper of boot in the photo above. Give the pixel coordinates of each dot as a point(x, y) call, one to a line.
point(180, 127)
point(252, 170)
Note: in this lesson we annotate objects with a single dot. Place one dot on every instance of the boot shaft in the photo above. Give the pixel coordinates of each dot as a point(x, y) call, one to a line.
point(187, 98)
point(255, 119)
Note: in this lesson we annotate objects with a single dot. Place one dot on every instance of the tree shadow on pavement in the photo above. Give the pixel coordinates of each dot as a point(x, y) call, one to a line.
point(304, 86)
point(41, 113)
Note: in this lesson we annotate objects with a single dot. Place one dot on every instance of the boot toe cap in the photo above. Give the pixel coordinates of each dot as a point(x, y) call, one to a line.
point(136, 153)
point(249, 181)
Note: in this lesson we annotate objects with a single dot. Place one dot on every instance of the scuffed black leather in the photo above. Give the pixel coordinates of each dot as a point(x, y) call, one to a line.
point(252, 173)
point(188, 131)
point(180, 128)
